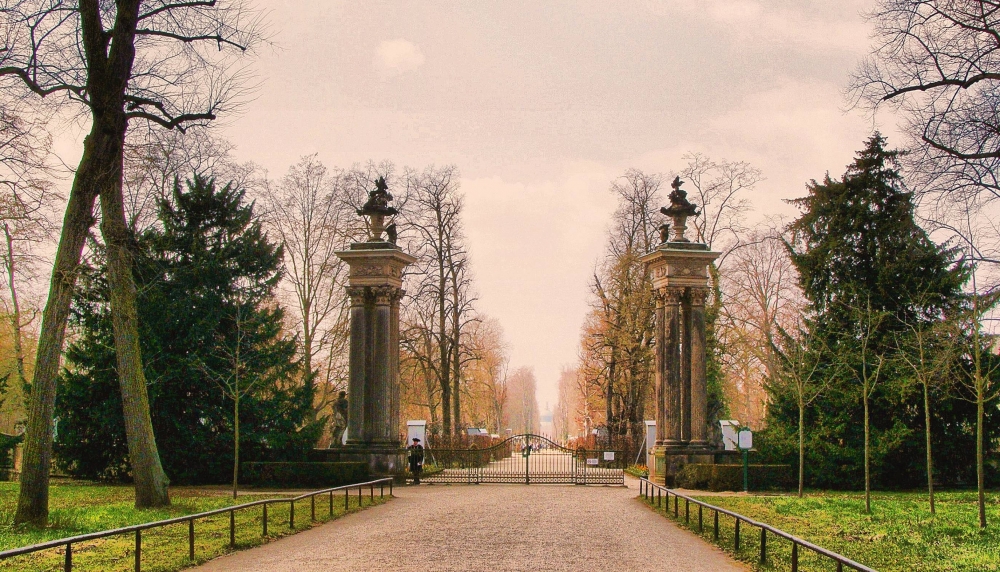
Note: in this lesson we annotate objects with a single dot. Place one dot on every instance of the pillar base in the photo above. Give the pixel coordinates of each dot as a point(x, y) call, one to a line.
point(669, 460)
point(382, 459)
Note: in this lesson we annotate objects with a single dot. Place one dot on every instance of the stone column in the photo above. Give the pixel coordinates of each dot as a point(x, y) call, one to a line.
point(660, 375)
point(685, 369)
point(358, 364)
point(699, 388)
point(672, 359)
point(397, 296)
point(378, 402)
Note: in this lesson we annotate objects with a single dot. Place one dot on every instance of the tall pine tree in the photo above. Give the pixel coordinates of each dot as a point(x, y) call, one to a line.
point(868, 269)
point(207, 276)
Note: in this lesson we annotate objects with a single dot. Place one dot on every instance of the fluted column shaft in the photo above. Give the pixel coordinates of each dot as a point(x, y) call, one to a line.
point(378, 404)
point(672, 364)
point(660, 375)
point(699, 387)
point(358, 365)
point(685, 369)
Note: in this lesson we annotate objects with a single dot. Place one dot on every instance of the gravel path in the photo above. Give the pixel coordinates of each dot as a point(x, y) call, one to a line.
point(497, 528)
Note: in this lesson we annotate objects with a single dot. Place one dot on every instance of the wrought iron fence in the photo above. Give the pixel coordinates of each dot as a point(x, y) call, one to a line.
point(525, 459)
point(136, 530)
point(653, 493)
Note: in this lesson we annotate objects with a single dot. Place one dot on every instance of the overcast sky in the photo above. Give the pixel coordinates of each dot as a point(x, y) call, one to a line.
point(541, 104)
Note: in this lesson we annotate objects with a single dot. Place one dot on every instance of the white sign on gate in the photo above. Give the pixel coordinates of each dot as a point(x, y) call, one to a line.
point(591, 461)
point(609, 455)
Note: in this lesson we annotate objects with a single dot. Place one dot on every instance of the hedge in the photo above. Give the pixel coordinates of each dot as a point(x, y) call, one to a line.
point(730, 477)
point(304, 474)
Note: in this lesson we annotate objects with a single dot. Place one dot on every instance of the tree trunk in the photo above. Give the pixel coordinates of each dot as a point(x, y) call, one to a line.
point(927, 436)
point(456, 370)
point(33, 499)
point(15, 318)
point(236, 442)
point(150, 480)
point(802, 444)
point(980, 480)
point(868, 483)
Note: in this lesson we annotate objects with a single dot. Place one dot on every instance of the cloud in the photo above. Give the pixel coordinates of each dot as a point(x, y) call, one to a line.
point(395, 57)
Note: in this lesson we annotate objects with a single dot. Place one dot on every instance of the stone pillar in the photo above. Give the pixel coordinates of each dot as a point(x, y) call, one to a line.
point(394, 356)
point(699, 387)
point(659, 373)
point(379, 400)
point(357, 364)
point(672, 355)
point(685, 370)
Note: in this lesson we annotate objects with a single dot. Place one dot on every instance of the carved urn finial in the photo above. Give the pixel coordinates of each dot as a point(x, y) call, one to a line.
point(377, 208)
point(679, 210)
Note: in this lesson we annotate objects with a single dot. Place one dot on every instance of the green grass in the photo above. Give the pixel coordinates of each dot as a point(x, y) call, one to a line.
point(899, 535)
point(78, 508)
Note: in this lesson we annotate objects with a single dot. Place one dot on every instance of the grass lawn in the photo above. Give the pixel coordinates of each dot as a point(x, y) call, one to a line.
point(899, 535)
point(78, 508)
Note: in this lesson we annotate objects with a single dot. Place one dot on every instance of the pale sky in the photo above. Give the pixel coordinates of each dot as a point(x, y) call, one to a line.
point(542, 104)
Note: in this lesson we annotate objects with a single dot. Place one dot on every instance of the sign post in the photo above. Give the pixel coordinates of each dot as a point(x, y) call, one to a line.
point(745, 443)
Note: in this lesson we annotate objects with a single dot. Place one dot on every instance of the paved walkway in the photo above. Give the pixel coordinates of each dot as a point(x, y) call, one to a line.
point(495, 528)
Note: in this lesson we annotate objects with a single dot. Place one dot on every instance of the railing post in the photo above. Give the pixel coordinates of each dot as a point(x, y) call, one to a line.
point(840, 566)
point(659, 497)
point(232, 529)
point(763, 545)
point(381, 490)
point(716, 535)
point(312, 508)
point(331, 504)
point(291, 513)
point(191, 539)
point(677, 501)
point(347, 501)
point(138, 550)
point(795, 559)
point(68, 563)
point(264, 520)
point(736, 537)
point(701, 527)
point(687, 511)
point(390, 488)
point(360, 504)
point(371, 492)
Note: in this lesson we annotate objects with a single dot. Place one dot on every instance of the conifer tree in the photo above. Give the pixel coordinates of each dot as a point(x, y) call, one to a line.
point(207, 255)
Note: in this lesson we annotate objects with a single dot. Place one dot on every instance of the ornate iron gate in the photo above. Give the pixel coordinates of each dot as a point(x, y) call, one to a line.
point(524, 459)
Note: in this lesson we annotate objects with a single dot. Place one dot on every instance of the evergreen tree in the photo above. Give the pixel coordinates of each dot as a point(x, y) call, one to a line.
point(207, 275)
point(868, 270)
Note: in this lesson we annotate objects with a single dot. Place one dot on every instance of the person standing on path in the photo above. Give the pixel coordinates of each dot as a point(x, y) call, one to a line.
point(416, 459)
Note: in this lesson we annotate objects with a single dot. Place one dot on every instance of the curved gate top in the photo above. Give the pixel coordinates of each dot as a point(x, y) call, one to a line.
point(524, 459)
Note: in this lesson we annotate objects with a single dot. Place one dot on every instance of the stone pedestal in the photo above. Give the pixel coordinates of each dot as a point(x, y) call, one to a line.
point(679, 271)
point(375, 288)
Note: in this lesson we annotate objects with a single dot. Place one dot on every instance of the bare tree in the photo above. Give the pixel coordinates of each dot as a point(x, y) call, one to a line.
point(26, 208)
point(866, 360)
point(802, 358)
point(928, 350)
point(310, 212)
point(936, 60)
point(442, 304)
point(234, 381)
point(719, 189)
point(155, 62)
point(761, 296)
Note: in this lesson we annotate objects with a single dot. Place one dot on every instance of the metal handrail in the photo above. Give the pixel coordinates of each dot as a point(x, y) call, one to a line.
point(644, 491)
point(191, 518)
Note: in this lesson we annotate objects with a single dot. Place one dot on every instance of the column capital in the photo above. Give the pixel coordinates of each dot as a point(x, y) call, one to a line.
point(697, 296)
point(383, 294)
point(357, 294)
point(671, 295)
